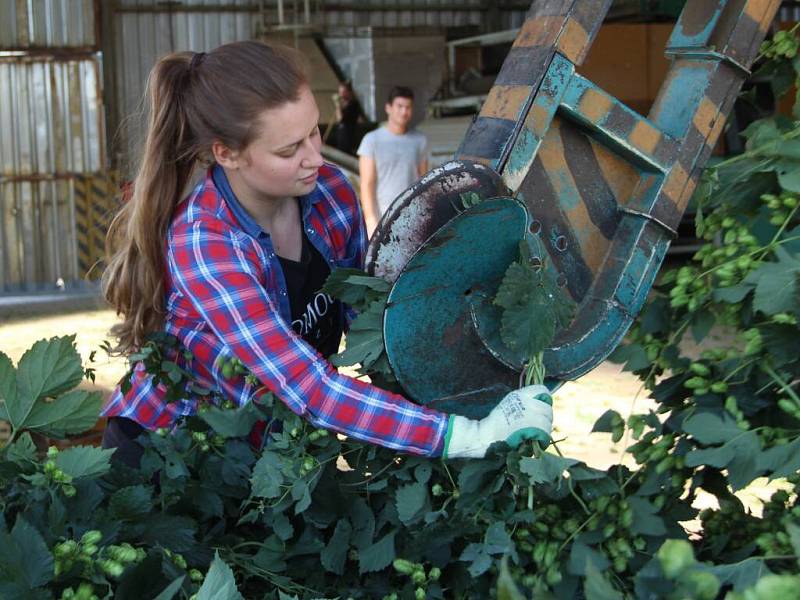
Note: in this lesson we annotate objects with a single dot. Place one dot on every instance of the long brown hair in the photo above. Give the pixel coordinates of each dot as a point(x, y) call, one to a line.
point(193, 100)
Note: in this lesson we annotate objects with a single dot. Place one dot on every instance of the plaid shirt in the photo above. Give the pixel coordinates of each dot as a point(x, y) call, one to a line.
point(226, 297)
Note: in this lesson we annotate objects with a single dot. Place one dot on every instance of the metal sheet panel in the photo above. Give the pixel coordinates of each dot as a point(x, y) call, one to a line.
point(38, 246)
point(410, 14)
point(51, 132)
point(47, 24)
point(52, 231)
point(144, 34)
point(51, 118)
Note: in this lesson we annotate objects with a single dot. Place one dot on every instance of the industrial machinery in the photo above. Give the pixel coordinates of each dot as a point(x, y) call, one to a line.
point(598, 188)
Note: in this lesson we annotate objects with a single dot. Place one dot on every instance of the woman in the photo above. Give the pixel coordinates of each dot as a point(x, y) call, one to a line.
point(233, 268)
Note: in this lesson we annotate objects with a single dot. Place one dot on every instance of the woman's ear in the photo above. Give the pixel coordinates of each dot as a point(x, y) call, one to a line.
point(224, 156)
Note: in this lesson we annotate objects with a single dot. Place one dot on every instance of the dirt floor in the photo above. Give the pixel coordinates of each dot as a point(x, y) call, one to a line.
point(578, 404)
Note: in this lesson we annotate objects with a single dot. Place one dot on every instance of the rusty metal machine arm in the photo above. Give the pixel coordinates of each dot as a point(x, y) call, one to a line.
point(600, 188)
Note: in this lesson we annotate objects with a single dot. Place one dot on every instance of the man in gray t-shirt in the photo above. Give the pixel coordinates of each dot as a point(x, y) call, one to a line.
point(390, 158)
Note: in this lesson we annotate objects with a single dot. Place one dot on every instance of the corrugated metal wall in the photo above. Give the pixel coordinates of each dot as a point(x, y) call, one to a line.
point(52, 145)
point(438, 14)
point(142, 31)
point(47, 24)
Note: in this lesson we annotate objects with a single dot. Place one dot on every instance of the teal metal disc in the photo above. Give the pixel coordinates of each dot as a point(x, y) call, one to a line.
point(432, 342)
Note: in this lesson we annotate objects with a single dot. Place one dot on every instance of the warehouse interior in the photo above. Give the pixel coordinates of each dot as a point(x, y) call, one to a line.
point(73, 72)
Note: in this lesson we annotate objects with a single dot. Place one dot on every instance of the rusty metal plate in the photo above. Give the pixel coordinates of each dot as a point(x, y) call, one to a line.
point(422, 209)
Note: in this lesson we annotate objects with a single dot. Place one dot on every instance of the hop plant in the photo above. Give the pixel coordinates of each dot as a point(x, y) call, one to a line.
point(784, 44)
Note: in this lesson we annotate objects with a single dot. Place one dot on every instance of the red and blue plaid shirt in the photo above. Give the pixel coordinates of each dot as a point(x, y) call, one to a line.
point(226, 297)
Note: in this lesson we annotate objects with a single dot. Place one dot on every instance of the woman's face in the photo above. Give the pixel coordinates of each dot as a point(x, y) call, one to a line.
point(284, 160)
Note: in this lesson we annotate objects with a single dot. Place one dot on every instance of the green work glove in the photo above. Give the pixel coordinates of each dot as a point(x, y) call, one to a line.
point(523, 414)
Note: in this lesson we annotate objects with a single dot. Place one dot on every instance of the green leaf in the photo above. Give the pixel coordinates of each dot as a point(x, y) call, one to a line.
point(363, 348)
point(410, 501)
point(282, 526)
point(23, 451)
point(334, 556)
point(267, 476)
point(8, 386)
point(581, 555)
point(534, 306)
point(219, 583)
point(788, 174)
point(477, 474)
point(84, 461)
point(547, 469)
point(351, 286)
point(363, 522)
point(709, 428)
point(789, 149)
point(525, 323)
point(174, 532)
point(71, 413)
point(480, 560)
point(633, 356)
point(24, 557)
point(776, 285)
point(733, 294)
point(794, 536)
point(780, 461)
point(271, 556)
point(597, 587)
point(497, 540)
point(169, 592)
point(378, 556)
point(131, 502)
point(37, 566)
point(792, 241)
point(702, 322)
point(423, 471)
point(308, 543)
point(739, 454)
point(48, 368)
point(364, 339)
point(740, 575)
point(174, 463)
point(19, 591)
point(645, 519)
point(232, 423)
point(763, 134)
point(606, 421)
point(779, 73)
point(301, 495)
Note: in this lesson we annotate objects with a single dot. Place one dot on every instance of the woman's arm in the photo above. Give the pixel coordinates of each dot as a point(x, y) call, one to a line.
point(218, 272)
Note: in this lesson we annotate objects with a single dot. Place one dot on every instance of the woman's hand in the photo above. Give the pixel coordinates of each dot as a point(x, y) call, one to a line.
point(523, 414)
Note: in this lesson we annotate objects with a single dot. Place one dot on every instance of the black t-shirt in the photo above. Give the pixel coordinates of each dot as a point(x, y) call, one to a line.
point(316, 316)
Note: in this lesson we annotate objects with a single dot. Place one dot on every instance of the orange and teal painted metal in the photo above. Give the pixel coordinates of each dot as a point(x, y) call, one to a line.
point(603, 189)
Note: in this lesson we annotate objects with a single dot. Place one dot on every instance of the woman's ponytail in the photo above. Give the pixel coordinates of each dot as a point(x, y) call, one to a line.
point(133, 281)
